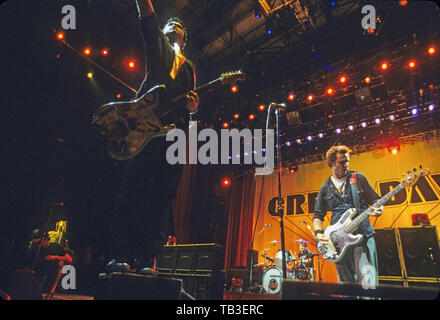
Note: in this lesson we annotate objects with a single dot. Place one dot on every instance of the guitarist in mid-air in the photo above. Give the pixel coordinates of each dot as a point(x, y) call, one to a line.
point(337, 195)
point(143, 204)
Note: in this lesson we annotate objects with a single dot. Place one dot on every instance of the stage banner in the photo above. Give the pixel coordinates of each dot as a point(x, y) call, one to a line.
point(299, 190)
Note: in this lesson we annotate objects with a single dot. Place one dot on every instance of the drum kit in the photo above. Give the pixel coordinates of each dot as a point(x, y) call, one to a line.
point(273, 274)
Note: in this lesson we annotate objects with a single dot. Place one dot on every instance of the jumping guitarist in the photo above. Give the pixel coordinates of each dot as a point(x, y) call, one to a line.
point(143, 204)
point(343, 190)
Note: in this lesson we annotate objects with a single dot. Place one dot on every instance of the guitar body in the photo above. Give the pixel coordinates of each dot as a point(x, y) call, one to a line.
point(128, 126)
point(337, 248)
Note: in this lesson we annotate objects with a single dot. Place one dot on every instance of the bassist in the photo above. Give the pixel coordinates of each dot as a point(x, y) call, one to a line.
point(336, 195)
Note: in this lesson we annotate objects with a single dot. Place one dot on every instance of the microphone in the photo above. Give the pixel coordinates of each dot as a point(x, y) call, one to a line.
point(281, 105)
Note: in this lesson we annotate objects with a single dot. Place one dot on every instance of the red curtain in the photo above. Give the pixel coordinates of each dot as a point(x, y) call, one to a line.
point(182, 205)
point(239, 213)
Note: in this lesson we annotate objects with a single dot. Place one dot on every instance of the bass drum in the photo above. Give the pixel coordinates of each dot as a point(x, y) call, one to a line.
point(272, 279)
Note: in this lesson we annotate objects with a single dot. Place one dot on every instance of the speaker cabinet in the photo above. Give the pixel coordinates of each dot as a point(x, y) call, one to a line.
point(421, 251)
point(19, 285)
point(387, 253)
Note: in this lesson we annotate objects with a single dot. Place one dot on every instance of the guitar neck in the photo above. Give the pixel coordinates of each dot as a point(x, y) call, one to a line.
point(200, 89)
point(364, 215)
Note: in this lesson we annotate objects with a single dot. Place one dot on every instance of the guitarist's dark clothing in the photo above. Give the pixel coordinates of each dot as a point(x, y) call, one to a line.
point(363, 255)
point(330, 199)
point(143, 204)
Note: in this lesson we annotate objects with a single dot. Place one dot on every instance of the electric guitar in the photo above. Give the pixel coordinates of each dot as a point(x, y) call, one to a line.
point(340, 234)
point(127, 127)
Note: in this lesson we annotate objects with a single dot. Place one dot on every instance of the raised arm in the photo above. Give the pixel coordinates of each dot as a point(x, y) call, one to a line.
point(145, 8)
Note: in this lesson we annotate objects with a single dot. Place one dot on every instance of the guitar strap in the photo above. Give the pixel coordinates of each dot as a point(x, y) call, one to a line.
point(355, 191)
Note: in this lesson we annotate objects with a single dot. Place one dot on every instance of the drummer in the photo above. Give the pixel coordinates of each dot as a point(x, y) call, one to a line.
point(305, 255)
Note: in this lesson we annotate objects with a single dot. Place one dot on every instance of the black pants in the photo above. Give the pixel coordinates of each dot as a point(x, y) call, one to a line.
point(143, 206)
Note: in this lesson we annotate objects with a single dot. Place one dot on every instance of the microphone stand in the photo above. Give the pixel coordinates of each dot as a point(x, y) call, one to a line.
point(319, 268)
point(252, 256)
point(280, 201)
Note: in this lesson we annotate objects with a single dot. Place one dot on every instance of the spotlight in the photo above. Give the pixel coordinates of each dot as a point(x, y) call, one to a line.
point(104, 52)
point(90, 75)
point(351, 127)
point(226, 182)
point(343, 79)
point(291, 96)
point(288, 143)
point(367, 80)
point(321, 135)
point(411, 64)
point(225, 125)
point(131, 64)
point(60, 36)
point(251, 116)
point(309, 138)
point(384, 66)
point(364, 124)
point(431, 107)
point(414, 111)
point(392, 117)
point(403, 3)
point(293, 169)
point(234, 88)
point(310, 97)
point(338, 131)
point(236, 116)
point(298, 141)
point(377, 121)
point(268, 29)
point(432, 50)
point(87, 51)
point(261, 107)
point(330, 91)
point(118, 96)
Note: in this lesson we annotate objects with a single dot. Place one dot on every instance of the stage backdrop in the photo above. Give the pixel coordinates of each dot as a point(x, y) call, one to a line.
point(382, 169)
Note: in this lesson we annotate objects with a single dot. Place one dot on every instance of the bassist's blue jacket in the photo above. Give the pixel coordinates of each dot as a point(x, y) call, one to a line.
point(330, 199)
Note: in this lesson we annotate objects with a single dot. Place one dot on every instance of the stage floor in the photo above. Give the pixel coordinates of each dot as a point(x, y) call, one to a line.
point(226, 296)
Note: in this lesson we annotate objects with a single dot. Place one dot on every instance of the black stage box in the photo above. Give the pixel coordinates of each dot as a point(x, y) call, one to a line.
point(19, 285)
point(131, 286)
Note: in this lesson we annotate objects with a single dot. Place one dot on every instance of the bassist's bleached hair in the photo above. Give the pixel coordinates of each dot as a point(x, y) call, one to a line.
point(331, 154)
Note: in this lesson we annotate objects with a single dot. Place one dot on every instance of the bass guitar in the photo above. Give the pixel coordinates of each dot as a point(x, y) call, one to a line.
point(340, 234)
point(127, 127)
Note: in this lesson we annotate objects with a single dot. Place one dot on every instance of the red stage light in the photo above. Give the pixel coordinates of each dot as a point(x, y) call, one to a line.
point(131, 64)
point(411, 64)
point(226, 182)
point(261, 107)
point(310, 97)
point(367, 80)
point(251, 116)
point(291, 97)
point(384, 66)
point(118, 96)
point(432, 50)
point(225, 125)
point(234, 88)
point(87, 51)
point(236, 116)
point(343, 79)
point(330, 91)
point(403, 2)
point(104, 52)
point(60, 36)
point(370, 30)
